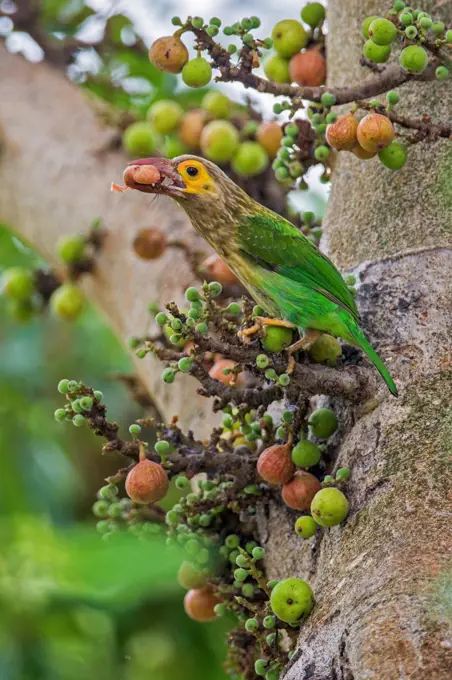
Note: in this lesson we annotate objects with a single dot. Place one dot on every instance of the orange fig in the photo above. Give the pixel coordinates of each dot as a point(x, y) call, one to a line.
point(200, 603)
point(275, 465)
point(375, 132)
point(149, 243)
point(299, 492)
point(341, 135)
point(308, 68)
point(147, 482)
point(168, 54)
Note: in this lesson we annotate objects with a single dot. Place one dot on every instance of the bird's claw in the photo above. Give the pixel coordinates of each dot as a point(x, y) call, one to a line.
point(246, 334)
point(259, 323)
point(304, 343)
point(290, 365)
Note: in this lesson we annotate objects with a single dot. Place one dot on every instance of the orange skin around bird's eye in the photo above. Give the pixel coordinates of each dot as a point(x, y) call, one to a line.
point(196, 178)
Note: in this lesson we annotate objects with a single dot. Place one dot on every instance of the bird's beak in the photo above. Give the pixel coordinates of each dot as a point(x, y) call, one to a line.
point(152, 176)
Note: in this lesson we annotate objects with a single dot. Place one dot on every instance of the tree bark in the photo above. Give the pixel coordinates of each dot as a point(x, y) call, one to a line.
point(382, 579)
point(55, 178)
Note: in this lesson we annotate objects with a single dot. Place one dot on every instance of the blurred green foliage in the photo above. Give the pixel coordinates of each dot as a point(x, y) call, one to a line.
point(73, 607)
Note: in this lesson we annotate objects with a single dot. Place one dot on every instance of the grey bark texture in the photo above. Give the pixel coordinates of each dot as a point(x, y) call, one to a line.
point(383, 580)
point(55, 179)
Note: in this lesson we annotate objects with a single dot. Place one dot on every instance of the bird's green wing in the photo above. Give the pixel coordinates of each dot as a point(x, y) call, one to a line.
point(275, 244)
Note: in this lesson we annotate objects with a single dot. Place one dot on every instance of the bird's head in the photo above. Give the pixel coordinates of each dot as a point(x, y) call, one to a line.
point(185, 178)
point(209, 197)
point(197, 184)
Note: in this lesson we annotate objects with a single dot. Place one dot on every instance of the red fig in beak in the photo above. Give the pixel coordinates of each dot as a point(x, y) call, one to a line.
point(151, 175)
point(137, 174)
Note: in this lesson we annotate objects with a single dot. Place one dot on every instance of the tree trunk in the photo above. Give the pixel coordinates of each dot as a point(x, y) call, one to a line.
point(55, 178)
point(381, 580)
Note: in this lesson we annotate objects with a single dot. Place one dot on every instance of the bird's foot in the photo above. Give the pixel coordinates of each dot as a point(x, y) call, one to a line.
point(259, 322)
point(246, 335)
point(274, 322)
point(290, 365)
point(305, 342)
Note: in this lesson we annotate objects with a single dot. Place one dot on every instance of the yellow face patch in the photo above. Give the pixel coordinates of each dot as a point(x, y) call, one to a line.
point(196, 178)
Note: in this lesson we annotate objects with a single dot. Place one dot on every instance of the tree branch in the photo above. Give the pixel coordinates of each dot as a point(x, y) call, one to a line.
point(353, 382)
point(190, 458)
point(424, 125)
point(390, 77)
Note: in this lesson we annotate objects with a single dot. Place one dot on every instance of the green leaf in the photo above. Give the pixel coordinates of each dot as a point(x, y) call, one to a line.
point(73, 21)
point(51, 9)
point(68, 13)
point(120, 571)
point(139, 66)
point(43, 564)
point(108, 92)
point(114, 27)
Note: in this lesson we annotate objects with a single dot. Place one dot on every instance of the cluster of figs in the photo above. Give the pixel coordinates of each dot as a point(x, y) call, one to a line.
point(371, 136)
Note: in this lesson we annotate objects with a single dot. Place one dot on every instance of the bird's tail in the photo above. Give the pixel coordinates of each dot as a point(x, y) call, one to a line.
point(357, 337)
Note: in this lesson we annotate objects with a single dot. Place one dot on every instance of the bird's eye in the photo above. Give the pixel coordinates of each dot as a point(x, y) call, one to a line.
point(192, 171)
